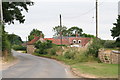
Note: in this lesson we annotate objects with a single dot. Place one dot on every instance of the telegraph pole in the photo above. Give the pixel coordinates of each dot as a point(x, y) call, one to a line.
point(96, 18)
point(1, 12)
point(60, 30)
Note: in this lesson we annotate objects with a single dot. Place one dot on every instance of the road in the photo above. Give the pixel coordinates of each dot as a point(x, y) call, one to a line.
point(30, 66)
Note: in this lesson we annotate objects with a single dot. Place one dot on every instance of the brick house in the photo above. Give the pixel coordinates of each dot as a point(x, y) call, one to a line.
point(69, 41)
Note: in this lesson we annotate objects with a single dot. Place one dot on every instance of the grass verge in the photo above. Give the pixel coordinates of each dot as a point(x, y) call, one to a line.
point(99, 70)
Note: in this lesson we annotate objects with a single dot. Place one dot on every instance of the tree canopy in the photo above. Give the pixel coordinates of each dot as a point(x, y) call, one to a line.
point(116, 29)
point(74, 30)
point(13, 11)
point(58, 29)
point(35, 32)
point(15, 39)
point(67, 32)
point(88, 35)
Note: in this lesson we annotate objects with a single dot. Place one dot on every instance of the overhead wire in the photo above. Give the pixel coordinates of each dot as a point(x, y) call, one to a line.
point(85, 13)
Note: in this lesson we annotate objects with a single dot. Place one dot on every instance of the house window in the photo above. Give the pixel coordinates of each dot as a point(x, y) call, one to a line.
point(74, 41)
point(79, 41)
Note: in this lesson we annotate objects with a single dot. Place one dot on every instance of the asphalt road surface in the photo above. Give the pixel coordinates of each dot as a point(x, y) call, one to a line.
point(30, 66)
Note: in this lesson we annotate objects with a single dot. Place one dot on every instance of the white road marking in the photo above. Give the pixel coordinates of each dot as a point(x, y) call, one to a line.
point(66, 71)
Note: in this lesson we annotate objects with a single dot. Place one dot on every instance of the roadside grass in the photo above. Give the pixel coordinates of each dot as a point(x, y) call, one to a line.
point(9, 59)
point(93, 68)
point(100, 70)
point(57, 57)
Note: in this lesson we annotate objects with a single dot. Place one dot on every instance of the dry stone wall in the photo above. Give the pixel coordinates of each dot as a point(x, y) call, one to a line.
point(109, 56)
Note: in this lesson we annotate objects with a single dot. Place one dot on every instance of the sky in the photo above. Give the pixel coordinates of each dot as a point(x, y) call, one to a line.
point(44, 15)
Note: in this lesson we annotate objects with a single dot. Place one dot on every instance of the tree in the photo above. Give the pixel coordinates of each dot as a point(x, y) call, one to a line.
point(58, 29)
point(88, 35)
point(15, 39)
point(13, 11)
point(75, 30)
point(34, 33)
point(41, 47)
point(116, 31)
point(6, 48)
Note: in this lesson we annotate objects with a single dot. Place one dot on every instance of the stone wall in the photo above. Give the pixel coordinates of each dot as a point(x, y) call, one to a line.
point(109, 56)
point(30, 49)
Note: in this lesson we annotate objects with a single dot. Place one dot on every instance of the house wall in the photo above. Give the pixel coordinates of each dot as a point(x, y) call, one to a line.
point(30, 49)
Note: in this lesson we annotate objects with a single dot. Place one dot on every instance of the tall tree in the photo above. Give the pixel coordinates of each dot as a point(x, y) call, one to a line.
point(75, 30)
point(58, 29)
point(15, 39)
point(34, 33)
point(13, 11)
point(116, 31)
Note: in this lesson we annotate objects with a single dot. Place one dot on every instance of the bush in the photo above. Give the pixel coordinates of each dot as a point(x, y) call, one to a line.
point(109, 44)
point(52, 51)
point(93, 48)
point(19, 47)
point(117, 43)
point(70, 54)
point(43, 46)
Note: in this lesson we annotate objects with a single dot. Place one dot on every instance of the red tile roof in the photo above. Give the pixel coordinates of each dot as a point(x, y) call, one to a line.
point(65, 41)
point(33, 41)
point(69, 40)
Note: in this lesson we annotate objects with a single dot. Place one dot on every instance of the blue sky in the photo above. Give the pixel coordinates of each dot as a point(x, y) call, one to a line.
point(44, 15)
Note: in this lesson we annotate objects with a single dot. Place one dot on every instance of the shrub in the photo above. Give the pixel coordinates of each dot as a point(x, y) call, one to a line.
point(43, 46)
point(81, 56)
point(69, 54)
point(19, 47)
point(109, 44)
point(94, 47)
point(52, 51)
point(117, 43)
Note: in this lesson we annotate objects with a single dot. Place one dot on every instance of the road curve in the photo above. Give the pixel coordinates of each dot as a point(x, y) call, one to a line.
point(30, 66)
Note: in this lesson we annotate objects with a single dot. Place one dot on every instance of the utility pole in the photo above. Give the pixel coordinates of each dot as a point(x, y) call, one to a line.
point(96, 18)
point(60, 30)
point(1, 12)
point(26, 44)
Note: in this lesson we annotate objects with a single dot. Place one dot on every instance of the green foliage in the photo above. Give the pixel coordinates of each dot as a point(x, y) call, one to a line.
point(43, 46)
point(109, 44)
point(70, 32)
point(94, 47)
point(52, 51)
point(34, 33)
point(14, 39)
point(88, 35)
point(76, 55)
point(5, 42)
point(70, 54)
point(13, 11)
point(58, 29)
point(117, 43)
point(19, 47)
point(116, 29)
point(6, 48)
point(74, 30)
